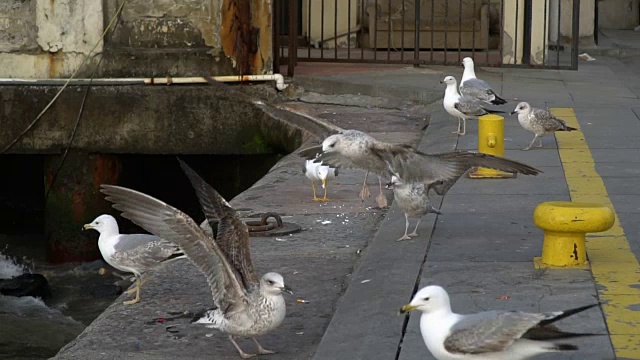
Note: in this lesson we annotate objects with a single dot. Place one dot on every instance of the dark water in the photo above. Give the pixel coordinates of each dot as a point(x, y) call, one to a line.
point(39, 329)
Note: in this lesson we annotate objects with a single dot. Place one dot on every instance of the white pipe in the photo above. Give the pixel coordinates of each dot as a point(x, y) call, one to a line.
point(278, 78)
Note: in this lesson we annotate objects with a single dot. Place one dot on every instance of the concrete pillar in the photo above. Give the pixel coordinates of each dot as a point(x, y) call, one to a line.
point(539, 12)
point(513, 37)
point(74, 200)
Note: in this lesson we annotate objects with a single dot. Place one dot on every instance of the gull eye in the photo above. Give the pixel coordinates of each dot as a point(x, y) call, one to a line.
point(97, 222)
point(270, 282)
point(426, 299)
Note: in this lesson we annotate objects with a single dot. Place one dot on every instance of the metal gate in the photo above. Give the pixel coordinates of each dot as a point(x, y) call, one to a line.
point(520, 33)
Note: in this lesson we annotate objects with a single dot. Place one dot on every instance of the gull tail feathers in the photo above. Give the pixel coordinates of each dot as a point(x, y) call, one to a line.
point(559, 315)
point(502, 164)
point(568, 128)
point(498, 100)
point(491, 111)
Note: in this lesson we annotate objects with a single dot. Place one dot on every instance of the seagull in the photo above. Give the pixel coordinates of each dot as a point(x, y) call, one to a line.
point(462, 107)
point(132, 253)
point(245, 304)
point(512, 335)
point(318, 172)
point(357, 150)
point(475, 88)
point(413, 199)
point(538, 121)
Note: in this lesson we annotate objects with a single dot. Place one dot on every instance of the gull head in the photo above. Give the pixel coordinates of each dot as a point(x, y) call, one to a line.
point(522, 108)
point(332, 143)
point(395, 181)
point(103, 223)
point(428, 299)
point(449, 80)
point(467, 62)
point(273, 284)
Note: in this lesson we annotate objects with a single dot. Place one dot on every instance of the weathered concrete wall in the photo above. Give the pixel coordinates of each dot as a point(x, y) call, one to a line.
point(145, 120)
point(42, 39)
point(619, 14)
point(45, 38)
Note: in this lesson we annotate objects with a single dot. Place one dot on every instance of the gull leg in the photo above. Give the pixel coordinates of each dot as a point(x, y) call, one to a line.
point(458, 131)
point(464, 127)
point(364, 193)
point(261, 350)
point(137, 298)
point(540, 141)
point(313, 185)
point(243, 354)
point(415, 231)
point(381, 199)
point(532, 142)
point(324, 185)
point(406, 228)
point(144, 281)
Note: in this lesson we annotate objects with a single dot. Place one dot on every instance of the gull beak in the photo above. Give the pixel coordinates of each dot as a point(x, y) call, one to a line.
point(287, 290)
point(513, 112)
point(407, 308)
point(87, 227)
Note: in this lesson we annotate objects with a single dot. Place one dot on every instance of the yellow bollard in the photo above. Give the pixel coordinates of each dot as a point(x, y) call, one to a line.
point(565, 225)
point(490, 141)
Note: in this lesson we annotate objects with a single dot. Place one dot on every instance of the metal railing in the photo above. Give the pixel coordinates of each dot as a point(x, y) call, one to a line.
point(521, 33)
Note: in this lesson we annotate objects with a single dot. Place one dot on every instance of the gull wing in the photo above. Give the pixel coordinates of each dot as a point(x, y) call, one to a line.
point(310, 153)
point(144, 251)
point(548, 121)
point(412, 165)
point(489, 331)
point(232, 236)
point(478, 89)
point(173, 225)
point(469, 107)
point(375, 156)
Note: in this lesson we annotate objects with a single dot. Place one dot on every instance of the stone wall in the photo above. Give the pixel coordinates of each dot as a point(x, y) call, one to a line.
point(50, 38)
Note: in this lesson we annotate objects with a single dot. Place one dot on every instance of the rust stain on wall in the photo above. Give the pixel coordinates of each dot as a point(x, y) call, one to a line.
point(261, 20)
point(52, 65)
point(246, 34)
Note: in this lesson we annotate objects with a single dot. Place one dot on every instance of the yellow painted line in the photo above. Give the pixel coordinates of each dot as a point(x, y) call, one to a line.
point(614, 267)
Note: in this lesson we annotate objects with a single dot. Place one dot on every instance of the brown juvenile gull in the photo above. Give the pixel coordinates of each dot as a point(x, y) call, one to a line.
point(509, 335)
point(413, 199)
point(357, 150)
point(133, 253)
point(475, 88)
point(245, 305)
point(538, 121)
point(462, 107)
point(318, 172)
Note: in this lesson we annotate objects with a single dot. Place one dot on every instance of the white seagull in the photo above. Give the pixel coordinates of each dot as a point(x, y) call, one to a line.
point(539, 122)
point(245, 304)
point(462, 107)
point(413, 199)
point(509, 335)
point(317, 172)
point(132, 253)
point(475, 88)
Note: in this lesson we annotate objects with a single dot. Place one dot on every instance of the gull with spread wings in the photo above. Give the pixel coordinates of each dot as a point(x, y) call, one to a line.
point(245, 304)
point(357, 150)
